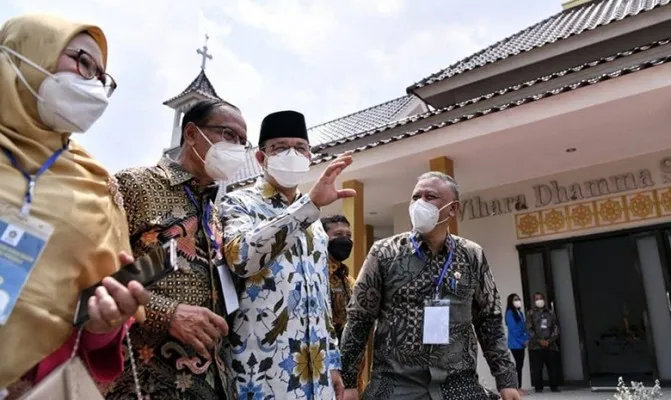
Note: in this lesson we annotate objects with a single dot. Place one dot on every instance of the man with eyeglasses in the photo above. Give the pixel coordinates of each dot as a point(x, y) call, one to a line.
point(181, 350)
point(283, 340)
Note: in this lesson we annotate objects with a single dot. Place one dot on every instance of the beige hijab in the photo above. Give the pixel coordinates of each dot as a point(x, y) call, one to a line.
point(77, 196)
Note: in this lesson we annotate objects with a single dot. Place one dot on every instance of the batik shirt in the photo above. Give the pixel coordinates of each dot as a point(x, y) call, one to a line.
point(542, 324)
point(392, 288)
point(158, 210)
point(341, 291)
point(283, 339)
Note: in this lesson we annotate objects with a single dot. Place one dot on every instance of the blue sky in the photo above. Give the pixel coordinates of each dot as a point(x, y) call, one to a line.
point(325, 58)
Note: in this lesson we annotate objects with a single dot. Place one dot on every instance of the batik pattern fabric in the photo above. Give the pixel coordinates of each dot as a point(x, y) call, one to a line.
point(542, 324)
point(158, 209)
point(341, 284)
point(392, 289)
point(283, 341)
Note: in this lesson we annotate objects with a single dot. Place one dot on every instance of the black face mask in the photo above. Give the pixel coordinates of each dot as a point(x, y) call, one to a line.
point(340, 248)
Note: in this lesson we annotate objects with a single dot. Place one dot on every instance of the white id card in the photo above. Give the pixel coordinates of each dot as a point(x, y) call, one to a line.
point(22, 241)
point(437, 322)
point(544, 323)
point(228, 289)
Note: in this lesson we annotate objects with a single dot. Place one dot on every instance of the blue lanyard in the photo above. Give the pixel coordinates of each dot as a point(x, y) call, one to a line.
point(446, 266)
point(31, 179)
point(205, 217)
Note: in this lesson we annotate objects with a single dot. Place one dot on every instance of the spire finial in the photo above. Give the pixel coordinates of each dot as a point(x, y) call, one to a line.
point(203, 52)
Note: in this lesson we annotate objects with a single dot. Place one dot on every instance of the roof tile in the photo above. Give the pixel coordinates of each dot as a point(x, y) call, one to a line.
point(562, 25)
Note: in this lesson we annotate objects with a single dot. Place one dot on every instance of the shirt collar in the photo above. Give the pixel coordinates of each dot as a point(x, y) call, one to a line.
point(424, 246)
point(268, 192)
point(177, 175)
point(337, 267)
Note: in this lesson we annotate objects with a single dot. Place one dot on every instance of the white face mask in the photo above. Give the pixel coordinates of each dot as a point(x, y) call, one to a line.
point(517, 304)
point(66, 101)
point(288, 168)
point(540, 303)
point(424, 215)
point(223, 159)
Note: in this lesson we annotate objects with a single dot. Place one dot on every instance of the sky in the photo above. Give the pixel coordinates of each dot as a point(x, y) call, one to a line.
point(324, 58)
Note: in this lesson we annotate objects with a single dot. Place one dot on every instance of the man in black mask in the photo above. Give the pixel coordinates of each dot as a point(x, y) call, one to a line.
point(338, 229)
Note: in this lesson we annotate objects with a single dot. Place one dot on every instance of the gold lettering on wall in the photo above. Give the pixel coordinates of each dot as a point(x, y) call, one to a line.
point(609, 211)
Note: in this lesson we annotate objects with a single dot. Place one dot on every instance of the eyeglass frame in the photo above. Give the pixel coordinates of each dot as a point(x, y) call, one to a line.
point(234, 137)
point(79, 53)
point(273, 150)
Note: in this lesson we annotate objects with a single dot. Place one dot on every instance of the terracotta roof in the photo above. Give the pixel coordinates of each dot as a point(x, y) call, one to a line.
point(318, 159)
point(201, 85)
point(562, 25)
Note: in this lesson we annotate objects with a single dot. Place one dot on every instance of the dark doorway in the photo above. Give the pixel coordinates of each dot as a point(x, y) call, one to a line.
point(613, 311)
point(611, 293)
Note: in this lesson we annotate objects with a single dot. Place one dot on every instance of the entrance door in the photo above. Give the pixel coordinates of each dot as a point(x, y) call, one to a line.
point(613, 310)
point(548, 270)
point(653, 262)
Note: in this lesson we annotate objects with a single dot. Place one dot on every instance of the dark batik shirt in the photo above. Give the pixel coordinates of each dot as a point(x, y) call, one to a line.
point(391, 289)
point(539, 331)
point(158, 209)
point(341, 284)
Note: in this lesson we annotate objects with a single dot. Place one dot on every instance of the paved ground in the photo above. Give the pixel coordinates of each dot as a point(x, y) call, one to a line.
point(581, 394)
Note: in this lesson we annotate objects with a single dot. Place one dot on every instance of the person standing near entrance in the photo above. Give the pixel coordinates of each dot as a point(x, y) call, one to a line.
point(338, 229)
point(433, 297)
point(543, 327)
point(283, 342)
point(518, 337)
point(181, 349)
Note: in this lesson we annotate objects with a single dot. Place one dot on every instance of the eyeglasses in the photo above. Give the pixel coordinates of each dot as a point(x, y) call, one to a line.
point(89, 69)
point(228, 134)
point(281, 148)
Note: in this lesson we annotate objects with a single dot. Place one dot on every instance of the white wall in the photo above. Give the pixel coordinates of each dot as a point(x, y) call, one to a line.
point(498, 234)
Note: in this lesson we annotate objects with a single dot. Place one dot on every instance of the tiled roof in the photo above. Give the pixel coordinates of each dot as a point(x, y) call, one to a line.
point(525, 100)
point(201, 85)
point(330, 133)
point(563, 25)
point(518, 102)
point(360, 121)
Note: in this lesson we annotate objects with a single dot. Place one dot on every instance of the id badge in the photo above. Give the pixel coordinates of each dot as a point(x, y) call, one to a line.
point(437, 322)
point(544, 323)
point(22, 241)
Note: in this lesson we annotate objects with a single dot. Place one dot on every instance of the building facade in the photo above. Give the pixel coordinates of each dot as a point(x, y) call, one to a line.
point(558, 138)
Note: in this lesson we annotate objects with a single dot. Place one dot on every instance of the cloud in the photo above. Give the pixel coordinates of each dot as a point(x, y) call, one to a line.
point(301, 26)
point(429, 50)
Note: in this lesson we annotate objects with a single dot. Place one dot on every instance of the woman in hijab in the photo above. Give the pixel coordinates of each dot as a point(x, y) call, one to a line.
point(53, 83)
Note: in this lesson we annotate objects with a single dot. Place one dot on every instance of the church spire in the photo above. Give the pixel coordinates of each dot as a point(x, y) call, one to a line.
point(203, 52)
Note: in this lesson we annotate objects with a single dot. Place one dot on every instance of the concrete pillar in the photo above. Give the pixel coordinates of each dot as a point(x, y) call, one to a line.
point(353, 210)
point(446, 166)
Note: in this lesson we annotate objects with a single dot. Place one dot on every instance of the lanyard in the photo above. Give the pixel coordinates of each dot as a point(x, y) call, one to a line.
point(446, 266)
point(31, 179)
point(205, 217)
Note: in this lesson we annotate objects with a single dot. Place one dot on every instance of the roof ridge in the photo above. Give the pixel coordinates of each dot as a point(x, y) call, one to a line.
point(506, 39)
point(361, 111)
point(460, 67)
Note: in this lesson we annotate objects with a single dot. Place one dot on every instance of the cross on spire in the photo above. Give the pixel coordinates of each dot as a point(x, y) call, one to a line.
point(203, 52)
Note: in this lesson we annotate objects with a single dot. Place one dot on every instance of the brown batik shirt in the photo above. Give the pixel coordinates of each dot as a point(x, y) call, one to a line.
point(158, 209)
point(391, 289)
point(341, 285)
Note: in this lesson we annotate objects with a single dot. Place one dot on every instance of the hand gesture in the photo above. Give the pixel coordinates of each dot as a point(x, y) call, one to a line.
point(510, 394)
point(351, 394)
point(324, 191)
point(198, 327)
point(338, 384)
point(113, 303)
